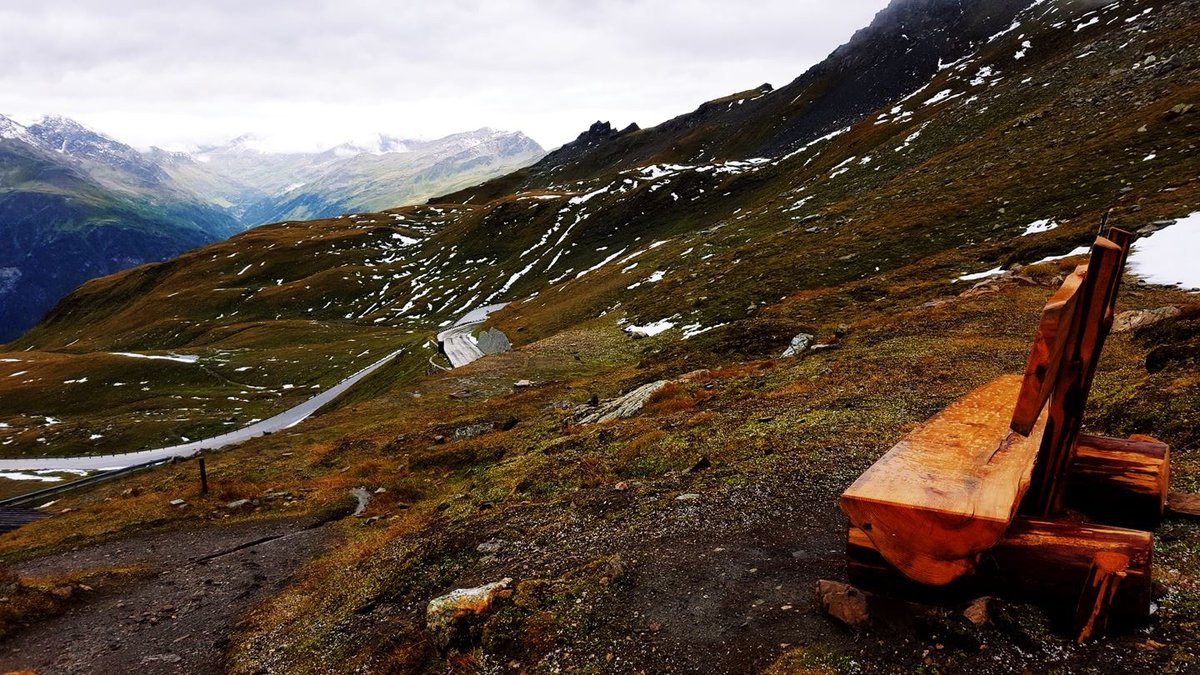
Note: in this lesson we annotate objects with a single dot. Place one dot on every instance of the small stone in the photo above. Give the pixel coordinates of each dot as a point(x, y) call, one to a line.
point(489, 547)
point(687, 497)
point(439, 439)
point(977, 611)
point(237, 503)
point(521, 384)
point(842, 602)
point(380, 491)
point(177, 502)
point(622, 486)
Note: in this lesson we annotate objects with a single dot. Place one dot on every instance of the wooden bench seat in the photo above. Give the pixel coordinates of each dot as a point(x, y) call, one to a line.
point(950, 488)
point(981, 490)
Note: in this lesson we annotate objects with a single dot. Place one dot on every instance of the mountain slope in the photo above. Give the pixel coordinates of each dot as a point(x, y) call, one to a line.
point(75, 205)
point(352, 177)
point(919, 238)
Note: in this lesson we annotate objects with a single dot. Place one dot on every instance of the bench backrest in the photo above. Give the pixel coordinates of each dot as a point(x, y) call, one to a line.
point(1062, 364)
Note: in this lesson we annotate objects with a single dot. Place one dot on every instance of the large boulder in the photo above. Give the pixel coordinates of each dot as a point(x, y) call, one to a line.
point(493, 341)
point(1135, 318)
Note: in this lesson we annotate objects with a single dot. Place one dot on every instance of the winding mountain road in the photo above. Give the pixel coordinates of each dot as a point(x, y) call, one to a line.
point(456, 341)
point(283, 420)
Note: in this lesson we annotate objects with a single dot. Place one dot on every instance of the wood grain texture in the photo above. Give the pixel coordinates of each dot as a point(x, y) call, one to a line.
point(1093, 319)
point(1046, 356)
point(1122, 481)
point(948, 490)
point(1047, 562)
point(1099, 590)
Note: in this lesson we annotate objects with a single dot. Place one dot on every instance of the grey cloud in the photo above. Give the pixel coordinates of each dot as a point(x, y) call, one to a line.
point(172, 73)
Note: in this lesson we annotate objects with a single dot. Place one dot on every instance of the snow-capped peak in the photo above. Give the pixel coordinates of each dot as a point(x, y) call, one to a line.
point(379, 144)
point(10, 128)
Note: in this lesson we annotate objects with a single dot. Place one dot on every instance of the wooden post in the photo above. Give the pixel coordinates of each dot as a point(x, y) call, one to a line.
point(1090, 326)
point(1095, 603)
point(203, 478)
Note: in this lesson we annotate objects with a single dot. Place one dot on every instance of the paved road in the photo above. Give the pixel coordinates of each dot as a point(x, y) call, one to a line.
point(456, 341)
point(283, 420)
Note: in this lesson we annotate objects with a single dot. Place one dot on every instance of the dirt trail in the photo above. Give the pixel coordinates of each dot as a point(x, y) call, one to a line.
point(177, 621)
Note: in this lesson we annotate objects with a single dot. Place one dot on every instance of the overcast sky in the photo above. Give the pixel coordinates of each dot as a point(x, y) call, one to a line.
point(311, 73)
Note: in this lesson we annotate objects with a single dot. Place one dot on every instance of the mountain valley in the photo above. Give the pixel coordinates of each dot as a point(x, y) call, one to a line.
point(75, 204)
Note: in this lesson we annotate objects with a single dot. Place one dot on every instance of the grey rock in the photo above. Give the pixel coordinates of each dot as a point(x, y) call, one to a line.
point(452, 618)
point(493, 341)
point(799, 345)
point(363, 498)
point(625, 406)
point(178, 502)
point(843, 602)
point(237, 503)
point(977, 611)
point(1134, 319)
point(490, 547)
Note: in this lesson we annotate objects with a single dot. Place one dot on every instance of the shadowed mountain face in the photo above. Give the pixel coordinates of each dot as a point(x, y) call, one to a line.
point(76, 204)
point(901, 50)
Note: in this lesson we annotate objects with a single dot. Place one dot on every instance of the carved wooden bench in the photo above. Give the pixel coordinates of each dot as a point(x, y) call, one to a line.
point(979, 491)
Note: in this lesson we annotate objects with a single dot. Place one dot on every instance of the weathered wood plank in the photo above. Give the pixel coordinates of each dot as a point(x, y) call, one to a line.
point(1046, 356)
point(1099, 590)
point(948, 490)
point(1069, 394)
point(1121, 481)
point(1047, 562)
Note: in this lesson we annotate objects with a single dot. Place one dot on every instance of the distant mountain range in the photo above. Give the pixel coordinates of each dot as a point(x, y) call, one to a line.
point(76, 204)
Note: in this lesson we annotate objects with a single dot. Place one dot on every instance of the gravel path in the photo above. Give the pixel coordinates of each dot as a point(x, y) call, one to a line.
point(177, 621)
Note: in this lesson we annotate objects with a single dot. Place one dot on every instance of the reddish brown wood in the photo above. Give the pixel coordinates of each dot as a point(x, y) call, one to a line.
point(1119, 481)
point(1047, 562)
point(1068, 399)
point(949, 489)
point(1050, 560)
point(1046, 356)
point(1099, 590)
